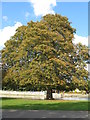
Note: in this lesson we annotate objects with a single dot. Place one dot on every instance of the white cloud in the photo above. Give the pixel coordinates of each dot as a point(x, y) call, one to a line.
point(83, 40)
point(5, 18)
point(7, 32)
point(27, 14)
point(43, 7)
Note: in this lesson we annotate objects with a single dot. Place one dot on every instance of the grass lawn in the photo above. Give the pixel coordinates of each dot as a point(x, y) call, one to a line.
point(27, 104)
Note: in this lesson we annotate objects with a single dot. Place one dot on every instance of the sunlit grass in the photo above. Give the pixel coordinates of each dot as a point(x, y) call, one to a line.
point(44, 104)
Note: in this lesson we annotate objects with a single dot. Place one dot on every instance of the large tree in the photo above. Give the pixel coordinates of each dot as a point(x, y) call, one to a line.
point(42, 56)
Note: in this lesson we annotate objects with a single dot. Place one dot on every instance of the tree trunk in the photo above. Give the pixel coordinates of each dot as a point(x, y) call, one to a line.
point(49, 94)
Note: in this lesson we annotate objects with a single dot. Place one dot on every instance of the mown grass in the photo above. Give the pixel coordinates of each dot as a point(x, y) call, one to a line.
point(27, 104)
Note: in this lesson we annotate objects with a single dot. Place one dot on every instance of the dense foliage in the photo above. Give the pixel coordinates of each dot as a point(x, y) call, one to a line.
point(42, 56)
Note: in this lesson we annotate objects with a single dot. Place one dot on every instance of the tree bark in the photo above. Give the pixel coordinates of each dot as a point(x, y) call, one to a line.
point(49, 94)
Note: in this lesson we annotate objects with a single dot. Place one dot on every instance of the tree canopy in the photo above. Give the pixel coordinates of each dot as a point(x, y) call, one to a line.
point(42, 56)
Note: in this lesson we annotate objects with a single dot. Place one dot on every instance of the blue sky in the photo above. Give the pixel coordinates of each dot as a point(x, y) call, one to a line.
point(23, 12)
point(76, 12)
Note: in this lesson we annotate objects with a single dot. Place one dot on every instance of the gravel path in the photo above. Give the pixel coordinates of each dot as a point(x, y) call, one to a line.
point(44, 114)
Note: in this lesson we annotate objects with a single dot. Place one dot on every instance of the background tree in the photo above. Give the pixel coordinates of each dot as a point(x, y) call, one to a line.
point(81, 57)
point(41, 56)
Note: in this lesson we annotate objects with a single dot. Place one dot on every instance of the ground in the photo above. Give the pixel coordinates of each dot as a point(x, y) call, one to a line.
point(45, 114)
point(27, 104)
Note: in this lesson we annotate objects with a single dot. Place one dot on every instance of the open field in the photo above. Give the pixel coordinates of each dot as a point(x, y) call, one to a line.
point(27, 104)
point(39, 95)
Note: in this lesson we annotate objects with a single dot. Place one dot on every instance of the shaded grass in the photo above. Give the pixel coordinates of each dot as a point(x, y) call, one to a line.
point(28, 104)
